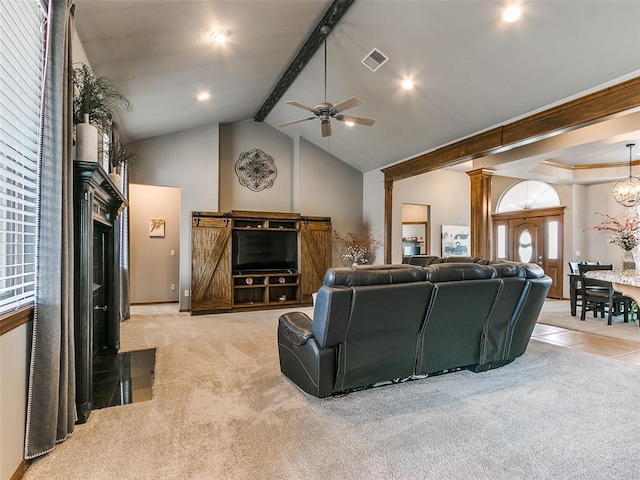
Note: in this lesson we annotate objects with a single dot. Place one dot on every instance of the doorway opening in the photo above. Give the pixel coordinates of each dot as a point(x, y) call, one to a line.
point(528, 228)
point(415, 229)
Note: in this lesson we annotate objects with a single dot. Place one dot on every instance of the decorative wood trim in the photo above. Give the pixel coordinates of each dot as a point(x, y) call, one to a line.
point(458, 152)
point(584, 110)
point(540, 212)
point(154, 303)
point(480, 217)
point(15, 319)
point(591, 166)
point(263, 215)
point(388, 218)
point(20, 471)
point(591, 108)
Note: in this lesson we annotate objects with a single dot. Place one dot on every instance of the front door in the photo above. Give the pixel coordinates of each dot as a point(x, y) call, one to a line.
point(532, 237)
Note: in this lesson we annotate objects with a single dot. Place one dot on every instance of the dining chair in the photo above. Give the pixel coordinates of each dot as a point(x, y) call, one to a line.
point(599, 296)
point(575, 284)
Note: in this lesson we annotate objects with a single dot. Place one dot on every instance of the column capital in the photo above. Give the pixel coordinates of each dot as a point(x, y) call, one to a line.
point(486, 172)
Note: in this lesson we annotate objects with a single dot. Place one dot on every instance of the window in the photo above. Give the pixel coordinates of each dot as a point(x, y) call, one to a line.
point(502, 241)
point(21, 85)
point(552, 240)
point(527, 195)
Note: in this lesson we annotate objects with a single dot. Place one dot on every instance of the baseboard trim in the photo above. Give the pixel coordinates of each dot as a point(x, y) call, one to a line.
point(20, 471)
point(155, 303)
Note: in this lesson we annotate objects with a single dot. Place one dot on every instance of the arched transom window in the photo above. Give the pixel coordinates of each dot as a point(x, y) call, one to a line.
point(528, 195)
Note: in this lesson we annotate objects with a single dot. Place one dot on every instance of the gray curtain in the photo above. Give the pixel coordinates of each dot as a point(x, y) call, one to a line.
point(51, 412)
point(123, 224)
point(125, 301)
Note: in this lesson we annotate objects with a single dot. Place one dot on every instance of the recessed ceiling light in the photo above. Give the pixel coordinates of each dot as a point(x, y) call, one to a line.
point(511, 14)
point(349, 124)
point(219, 36)
point(204, 96)
point(407, 84)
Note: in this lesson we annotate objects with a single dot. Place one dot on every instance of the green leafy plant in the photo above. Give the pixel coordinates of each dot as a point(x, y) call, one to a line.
point(119, 156)
point(97, 97)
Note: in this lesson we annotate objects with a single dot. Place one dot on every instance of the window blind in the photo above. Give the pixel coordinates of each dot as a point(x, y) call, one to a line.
point(21, 81)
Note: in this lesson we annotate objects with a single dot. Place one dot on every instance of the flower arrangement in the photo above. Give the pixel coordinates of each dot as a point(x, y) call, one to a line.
point(357, 247)
point(624, 233)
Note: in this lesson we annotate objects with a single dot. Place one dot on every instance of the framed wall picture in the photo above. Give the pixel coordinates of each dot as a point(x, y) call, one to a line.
point(456, 240)
point(156, 227)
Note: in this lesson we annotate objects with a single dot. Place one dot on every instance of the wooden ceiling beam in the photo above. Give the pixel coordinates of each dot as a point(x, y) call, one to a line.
point(583, 111)
point(330, 19)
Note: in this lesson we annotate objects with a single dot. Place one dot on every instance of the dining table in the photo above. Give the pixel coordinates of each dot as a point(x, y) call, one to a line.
point(626, 282)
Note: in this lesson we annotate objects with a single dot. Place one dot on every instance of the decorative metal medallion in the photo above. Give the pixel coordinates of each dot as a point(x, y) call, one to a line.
point(256, 170)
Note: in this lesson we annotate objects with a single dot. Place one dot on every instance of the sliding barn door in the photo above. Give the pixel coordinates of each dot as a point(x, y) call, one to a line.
point(210, 264)
point(315, 254)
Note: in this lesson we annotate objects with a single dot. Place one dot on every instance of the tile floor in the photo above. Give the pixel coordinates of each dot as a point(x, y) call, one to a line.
point(621, 350)
point(123, 378)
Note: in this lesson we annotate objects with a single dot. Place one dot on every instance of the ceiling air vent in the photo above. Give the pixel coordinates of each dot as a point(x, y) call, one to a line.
point(375, 59)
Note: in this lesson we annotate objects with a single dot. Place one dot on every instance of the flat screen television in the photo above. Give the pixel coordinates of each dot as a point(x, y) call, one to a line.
point(255, 251)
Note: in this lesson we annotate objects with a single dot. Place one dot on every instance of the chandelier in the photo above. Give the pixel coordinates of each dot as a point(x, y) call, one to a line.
point(627, 191)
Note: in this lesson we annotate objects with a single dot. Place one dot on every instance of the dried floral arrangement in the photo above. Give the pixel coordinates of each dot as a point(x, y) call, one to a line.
point(357, 247)
point(624, 233)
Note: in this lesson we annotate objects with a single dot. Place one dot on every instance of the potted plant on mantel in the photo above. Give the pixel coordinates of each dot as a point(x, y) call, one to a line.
point(96, 100)
point(118, 158)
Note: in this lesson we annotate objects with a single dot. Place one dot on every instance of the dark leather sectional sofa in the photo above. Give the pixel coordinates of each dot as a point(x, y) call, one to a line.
point(375, 324)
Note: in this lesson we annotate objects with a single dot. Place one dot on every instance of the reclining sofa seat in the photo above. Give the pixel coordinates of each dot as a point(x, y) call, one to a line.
point(381, 323)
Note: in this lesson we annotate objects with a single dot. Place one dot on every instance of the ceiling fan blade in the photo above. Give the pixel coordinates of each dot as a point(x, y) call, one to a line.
point(326, 128)
point(346, 105)
point(357, 120)
point(292, 122)
point(300, 105)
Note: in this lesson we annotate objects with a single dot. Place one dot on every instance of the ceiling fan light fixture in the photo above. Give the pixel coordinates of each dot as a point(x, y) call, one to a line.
point(220, 36)
point(627, 191)
point(325, 111)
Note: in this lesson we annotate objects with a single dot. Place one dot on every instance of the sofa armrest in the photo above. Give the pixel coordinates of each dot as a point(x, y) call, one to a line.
point(296, 327)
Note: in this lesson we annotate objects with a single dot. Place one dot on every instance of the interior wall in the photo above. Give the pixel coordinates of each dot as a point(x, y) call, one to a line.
point(155, 261)
point(600, 199)
point(373, 209)
point(328, 187)
point(310, 181)
point(242, 137)
point(189, 161)
point(13, 398)
point(447, 192)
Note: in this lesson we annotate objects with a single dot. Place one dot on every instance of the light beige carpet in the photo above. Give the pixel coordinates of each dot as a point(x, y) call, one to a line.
point(222, 410)
point(558, 314)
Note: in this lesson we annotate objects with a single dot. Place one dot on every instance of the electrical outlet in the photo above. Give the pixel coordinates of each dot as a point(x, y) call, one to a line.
point(577, 253)
point(186, 293)
point(173, 287)
point(173, 253)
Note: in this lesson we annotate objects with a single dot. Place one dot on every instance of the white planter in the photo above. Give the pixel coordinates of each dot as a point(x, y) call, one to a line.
point(86, 141)
point(116, 178)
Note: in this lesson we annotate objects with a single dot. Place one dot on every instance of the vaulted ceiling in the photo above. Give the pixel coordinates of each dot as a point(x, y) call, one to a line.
point(471, 70)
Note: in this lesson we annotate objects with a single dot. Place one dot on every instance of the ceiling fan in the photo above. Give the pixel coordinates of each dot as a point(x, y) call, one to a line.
point(325, 111)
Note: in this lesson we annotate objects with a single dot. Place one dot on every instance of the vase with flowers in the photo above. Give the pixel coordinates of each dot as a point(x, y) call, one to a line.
point(356, 247)
point(625, 234)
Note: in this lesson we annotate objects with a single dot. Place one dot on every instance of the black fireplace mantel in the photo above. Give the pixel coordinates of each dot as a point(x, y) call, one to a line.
point(97, 204)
